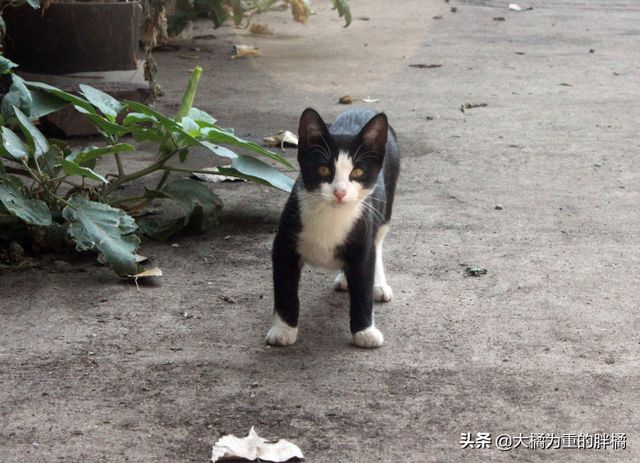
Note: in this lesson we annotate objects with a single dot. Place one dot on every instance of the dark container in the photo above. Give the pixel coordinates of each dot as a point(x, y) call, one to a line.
point(73, 37)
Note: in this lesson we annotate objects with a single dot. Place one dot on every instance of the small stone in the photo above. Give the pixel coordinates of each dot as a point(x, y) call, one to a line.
point(347, 99)
point(499, 207)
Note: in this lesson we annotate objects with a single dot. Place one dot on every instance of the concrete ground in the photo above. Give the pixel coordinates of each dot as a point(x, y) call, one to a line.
point(538, 184)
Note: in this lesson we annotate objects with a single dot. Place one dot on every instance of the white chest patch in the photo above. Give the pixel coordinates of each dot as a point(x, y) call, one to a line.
point(326, 222)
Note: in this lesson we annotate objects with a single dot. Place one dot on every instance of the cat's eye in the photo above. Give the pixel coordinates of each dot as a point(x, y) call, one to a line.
point(355, 173)
point(324, 171)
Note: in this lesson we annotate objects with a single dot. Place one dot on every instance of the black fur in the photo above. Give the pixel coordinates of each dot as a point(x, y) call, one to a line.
point(358, 129)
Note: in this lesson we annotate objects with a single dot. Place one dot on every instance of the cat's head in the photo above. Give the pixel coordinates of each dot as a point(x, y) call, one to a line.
point(342, 168)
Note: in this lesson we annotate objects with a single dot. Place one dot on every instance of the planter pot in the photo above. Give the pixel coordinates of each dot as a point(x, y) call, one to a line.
point(74, 37)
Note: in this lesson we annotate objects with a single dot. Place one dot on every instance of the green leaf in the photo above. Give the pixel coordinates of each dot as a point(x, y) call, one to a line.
point(152, 134)
point(219, 150)
point(51, 166)
point(144, 109)
point(12, 196)
point(216, 135)
point(36, 140)
point(71, 168)
point(343, 10)
point(109, 106)
point(202, 118)
point(96, 225)
point(92, 152)
point(250, 168)
point(43, 103)
point(137, 118)
point(34, 3)
point(108, 127)
point(77, 101)
point(6, 65)
point(199, 205)
point(190, 126)
point(14, 145)
point(18, 96)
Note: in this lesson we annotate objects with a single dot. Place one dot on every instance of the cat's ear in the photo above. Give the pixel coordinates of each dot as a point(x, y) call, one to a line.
point(374, 134)
point(312, 129)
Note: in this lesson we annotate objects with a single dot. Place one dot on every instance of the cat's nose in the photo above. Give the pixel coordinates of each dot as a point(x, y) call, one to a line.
point(339, 194)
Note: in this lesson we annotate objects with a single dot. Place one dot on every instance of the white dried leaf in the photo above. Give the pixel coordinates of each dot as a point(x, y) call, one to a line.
point(254, 447)
point(370, 100)
point(284, 136)
point(213, 177)
point(154, 272)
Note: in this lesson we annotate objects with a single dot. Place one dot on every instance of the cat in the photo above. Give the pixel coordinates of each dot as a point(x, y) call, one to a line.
point(336, 218)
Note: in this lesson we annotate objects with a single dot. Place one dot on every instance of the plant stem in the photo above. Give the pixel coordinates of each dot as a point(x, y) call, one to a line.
point(141, 173)
point(119, 163)
point(187, 100)
point(126, 200)
point(163, 179)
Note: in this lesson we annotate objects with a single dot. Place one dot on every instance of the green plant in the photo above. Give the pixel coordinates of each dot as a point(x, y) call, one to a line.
point(220, 11)
point(43, 181)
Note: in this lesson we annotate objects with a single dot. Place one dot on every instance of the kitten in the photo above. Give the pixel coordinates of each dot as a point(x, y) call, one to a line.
point(336, 218)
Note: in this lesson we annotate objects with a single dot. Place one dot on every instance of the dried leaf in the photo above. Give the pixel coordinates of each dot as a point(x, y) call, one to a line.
point(300, 10)
point(284, 136)
point(214, 177)
point(246, 51)
point(254, 447)
point(370, 100)
point(261, 29)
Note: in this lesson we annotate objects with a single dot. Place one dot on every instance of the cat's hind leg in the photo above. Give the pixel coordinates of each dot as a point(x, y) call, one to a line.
point(381, 290)
point(340, 283)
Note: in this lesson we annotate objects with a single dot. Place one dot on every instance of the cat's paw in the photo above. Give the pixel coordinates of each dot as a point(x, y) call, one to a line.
point(281, 334)
point(340, 283)
point(382, 293)
point(368, 338)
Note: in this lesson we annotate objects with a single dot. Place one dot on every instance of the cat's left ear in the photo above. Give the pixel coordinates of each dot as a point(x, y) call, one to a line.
point(374, 134)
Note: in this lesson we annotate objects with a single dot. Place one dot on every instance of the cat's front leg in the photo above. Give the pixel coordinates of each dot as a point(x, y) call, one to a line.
point(360, 272)
point(286, 277)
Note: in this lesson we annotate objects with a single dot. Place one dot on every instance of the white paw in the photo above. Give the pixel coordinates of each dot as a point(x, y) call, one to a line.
point(382, 293)
point(281, 335)
point(340, 283)
point(368, 338)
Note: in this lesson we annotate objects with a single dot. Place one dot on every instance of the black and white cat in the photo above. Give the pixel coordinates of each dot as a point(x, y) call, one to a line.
point(336, 218)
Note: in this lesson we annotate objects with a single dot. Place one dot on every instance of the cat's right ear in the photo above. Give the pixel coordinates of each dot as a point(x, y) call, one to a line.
point(312, 130)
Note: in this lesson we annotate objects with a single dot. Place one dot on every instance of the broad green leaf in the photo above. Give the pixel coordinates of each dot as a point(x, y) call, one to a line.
point(190, 126)
point(109, 106)
point(43, 103)
point(92, 152)
point(6, 65)
point(216, 135)
point(71, 168)
point(152, 134)
point(144, 109)
point(50, 165)
point(219, 150)
point(134, 118)
point(34, 3)
point(110, 128)
point(12, 196)
point(199, 205)
point(14, 145)
point(18, 96)
point(201, 118)
point(250, 168)
point(96, 225)
point(36, 140)
point(77, 101)
point(3, 29)
point(343, 10)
